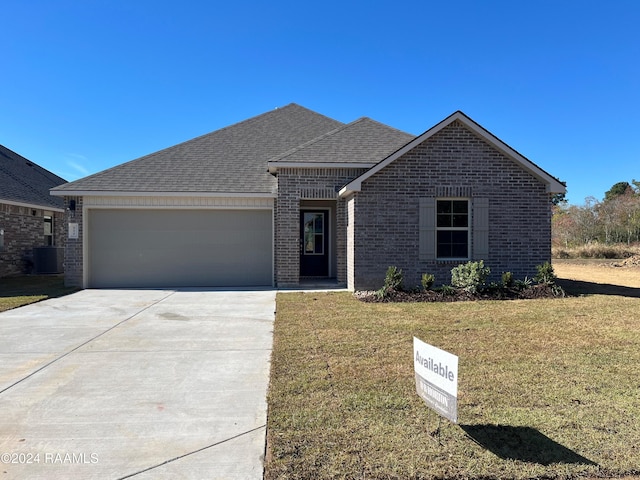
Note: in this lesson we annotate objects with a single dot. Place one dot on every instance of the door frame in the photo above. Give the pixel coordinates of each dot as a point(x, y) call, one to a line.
point(329, 235)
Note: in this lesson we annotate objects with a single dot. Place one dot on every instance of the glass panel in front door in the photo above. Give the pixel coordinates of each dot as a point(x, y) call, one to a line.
point(313, 233)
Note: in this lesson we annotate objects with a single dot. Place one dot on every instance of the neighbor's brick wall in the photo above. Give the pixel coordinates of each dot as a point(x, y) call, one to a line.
point(386, 210)
point(23, 230)
point(73, 258)
point(294, 185)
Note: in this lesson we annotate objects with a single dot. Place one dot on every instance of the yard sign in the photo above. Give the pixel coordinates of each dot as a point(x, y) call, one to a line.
point(436, 378)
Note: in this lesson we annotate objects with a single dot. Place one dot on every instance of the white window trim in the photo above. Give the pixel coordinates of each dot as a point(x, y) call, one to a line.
point(449, 229)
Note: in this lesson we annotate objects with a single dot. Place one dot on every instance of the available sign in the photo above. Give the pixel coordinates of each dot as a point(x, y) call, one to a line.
point(436, 378)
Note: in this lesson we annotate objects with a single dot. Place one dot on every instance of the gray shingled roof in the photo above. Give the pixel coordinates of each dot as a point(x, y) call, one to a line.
point(362, 141)
point(23, 181)
point(229, 160)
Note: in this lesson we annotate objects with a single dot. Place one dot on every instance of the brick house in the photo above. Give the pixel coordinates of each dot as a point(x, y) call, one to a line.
point(292, 196)
point(29, 216)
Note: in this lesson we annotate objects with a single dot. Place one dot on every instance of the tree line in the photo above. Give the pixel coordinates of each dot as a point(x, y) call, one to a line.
point(615, 219)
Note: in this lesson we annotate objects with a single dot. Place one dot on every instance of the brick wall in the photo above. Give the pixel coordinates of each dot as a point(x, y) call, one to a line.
point(23, 230)
point(455, 159)
point(308, 184)
point(73, 258)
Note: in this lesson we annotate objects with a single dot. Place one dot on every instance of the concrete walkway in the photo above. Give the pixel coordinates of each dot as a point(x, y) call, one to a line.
point(143, 384)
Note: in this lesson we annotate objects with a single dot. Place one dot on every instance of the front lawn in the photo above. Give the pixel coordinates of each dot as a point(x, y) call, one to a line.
point(22, 290)
point(547, 388)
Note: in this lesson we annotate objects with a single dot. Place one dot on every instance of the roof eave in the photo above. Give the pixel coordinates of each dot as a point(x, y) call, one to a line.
point(274, 166)
point(122, 193)
point(31, 205)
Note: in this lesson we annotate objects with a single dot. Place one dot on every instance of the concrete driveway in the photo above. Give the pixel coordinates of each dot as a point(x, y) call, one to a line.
point(143, 384)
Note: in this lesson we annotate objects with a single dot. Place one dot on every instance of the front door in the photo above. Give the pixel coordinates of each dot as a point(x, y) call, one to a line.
point(314, 243)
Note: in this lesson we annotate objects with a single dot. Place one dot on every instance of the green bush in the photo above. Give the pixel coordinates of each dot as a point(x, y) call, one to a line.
point(545, 274)
point(393, 278)
point(470, 276)
point(507, 279)
point(427, 281)
point(392, 282)
point(523, 284)
point(447, 290)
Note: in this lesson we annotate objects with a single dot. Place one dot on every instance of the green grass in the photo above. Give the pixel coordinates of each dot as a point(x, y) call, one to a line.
point(547, 389)
point(22, 290)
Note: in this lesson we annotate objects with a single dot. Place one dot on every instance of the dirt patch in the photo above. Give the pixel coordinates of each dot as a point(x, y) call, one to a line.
point(633, 261)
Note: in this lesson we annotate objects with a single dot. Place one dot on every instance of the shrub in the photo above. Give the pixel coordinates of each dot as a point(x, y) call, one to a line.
point(393, 278)
point(523, 284)
point(507, 279)
point(470, 276)
point(447, 290)
point(392, 283)
point(427, 281)
point(545, 274)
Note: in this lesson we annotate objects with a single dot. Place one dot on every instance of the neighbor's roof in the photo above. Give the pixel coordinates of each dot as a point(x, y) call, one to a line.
point(363, 143)
point(226, 161)
point(553, 184)
point(24, 183)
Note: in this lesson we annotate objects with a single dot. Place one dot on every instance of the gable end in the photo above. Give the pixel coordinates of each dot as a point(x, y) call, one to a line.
point(552, 184)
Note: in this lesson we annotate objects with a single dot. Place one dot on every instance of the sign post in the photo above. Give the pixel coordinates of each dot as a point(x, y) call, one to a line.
point(436, 378)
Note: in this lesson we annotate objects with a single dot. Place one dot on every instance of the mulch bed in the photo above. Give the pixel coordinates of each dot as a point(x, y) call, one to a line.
point(532, 292)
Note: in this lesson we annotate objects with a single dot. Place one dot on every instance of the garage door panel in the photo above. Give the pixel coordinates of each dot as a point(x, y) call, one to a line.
point(174, 248)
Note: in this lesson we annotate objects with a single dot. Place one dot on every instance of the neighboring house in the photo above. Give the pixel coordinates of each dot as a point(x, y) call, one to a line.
point(291, 195)
point(29, 216)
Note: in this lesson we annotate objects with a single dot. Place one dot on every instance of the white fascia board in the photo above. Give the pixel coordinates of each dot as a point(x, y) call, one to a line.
point(350, 188)
point(553, 184)
point(273, 166)
point(99, 193)
point(32, 205)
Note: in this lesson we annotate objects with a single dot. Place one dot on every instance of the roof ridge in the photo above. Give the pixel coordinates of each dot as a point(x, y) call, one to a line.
point(233, 156)
point(387, 126)
point(334, 132)
point(314, 140)
point(172, 147)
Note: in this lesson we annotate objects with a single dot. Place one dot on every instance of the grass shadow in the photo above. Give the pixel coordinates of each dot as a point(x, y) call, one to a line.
point(522, 443)
point(579, 287)
point(25, 289)
point(25, 285)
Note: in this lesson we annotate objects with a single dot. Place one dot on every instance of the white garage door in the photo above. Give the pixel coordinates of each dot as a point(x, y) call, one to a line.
point(179, 248)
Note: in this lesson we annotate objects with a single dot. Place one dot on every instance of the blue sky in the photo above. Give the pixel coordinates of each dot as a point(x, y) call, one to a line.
point(89, 84)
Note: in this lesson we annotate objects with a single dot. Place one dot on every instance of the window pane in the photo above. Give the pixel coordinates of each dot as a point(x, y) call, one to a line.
point(319, 244)
point(460, 206)
point(309, 238)
point(444, 220)
point(309, 243)
point(444, 244)
point(313, 236)
point(452, 244)
point(460, 221)
point(444, 206)
point(459, 244)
